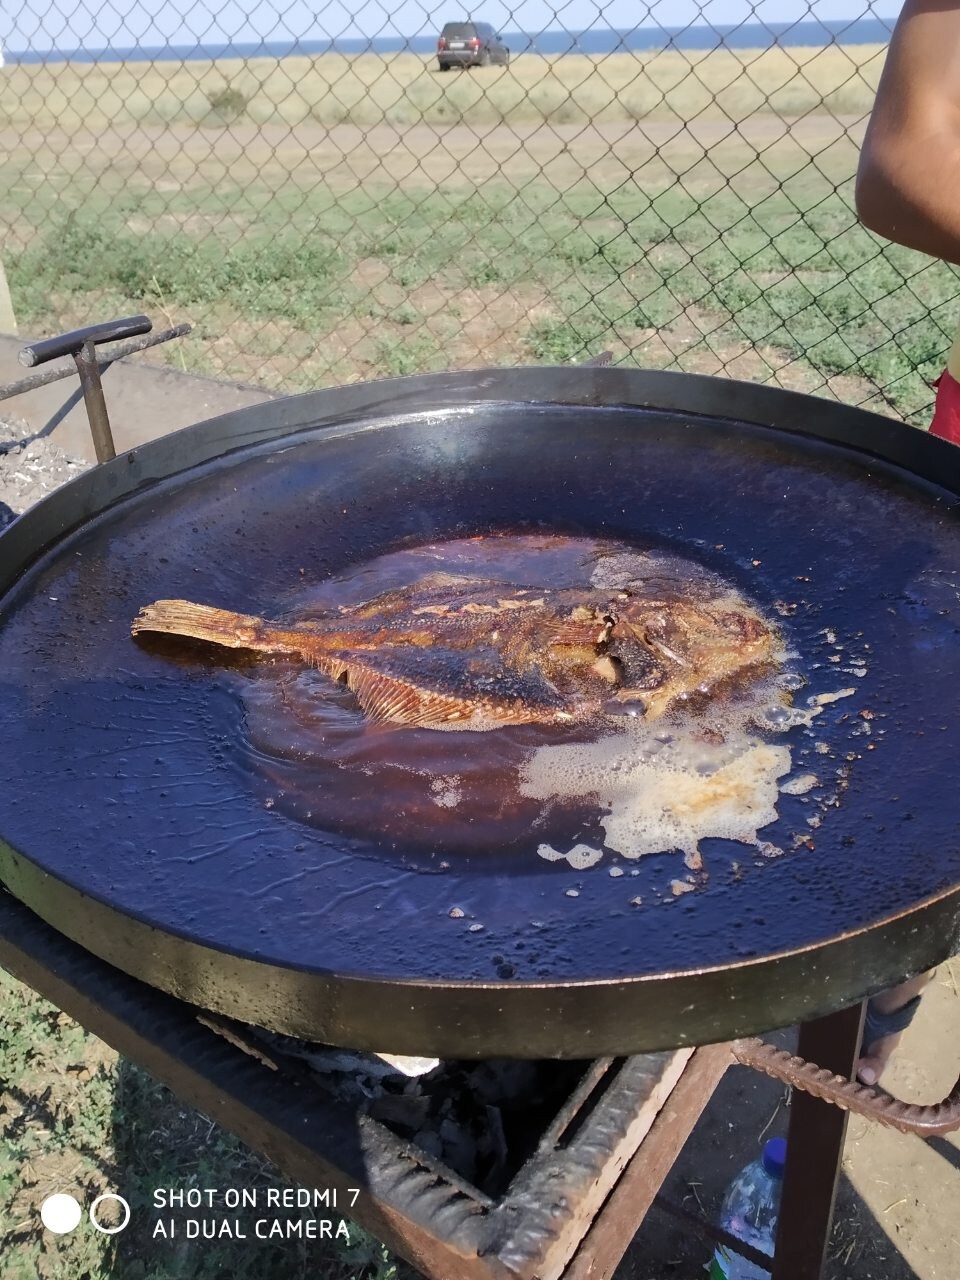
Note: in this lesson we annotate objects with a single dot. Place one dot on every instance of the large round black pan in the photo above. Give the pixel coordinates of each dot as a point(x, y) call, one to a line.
point(129, 822)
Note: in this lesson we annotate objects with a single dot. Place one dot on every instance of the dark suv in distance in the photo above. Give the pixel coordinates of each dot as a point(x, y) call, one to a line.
point(470, 44)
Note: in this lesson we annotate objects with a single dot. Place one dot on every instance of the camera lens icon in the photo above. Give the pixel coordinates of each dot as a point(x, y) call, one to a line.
point(61, 1213)
point(105, 1199)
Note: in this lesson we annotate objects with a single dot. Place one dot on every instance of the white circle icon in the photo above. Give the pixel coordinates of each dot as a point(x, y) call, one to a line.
point(60, 1213)
point(110, 1195)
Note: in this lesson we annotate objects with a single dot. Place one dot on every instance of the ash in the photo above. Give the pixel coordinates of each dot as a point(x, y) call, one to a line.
point(31, 467)
point(483, 1119)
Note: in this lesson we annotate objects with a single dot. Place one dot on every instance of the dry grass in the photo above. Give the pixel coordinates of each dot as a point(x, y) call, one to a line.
point(404, 89)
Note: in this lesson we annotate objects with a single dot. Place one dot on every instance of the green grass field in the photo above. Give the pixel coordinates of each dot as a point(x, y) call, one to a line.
point(708, 228)
point(538, 214)
point(350, 285)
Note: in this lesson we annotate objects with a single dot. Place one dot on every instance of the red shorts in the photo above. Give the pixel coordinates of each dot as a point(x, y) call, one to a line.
point(946, 414)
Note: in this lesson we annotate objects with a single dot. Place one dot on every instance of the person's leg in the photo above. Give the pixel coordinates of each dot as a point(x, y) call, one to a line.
point(888, 1015)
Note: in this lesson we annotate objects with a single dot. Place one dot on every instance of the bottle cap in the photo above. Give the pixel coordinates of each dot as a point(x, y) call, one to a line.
point(775, 1156)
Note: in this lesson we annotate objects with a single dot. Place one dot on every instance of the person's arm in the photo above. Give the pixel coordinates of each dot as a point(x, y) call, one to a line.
point(908, 181)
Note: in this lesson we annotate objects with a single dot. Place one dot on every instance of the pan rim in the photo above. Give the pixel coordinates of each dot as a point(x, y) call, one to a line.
point(422, 397)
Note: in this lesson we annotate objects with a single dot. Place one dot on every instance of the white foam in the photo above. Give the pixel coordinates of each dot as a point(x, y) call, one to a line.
point(782, 717)
point(579, 857)
point(667, 789)
point(446, 791)
point(824, 699)
point(799, 785)
point(665, 786)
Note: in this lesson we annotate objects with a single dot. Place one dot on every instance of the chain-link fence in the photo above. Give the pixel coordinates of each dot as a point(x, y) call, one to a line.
point(326, 203)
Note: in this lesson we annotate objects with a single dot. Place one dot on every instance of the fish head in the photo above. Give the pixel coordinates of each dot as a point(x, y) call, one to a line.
point(679, 648)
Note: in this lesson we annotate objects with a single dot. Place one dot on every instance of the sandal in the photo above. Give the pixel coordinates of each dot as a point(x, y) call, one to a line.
point(879, 1026)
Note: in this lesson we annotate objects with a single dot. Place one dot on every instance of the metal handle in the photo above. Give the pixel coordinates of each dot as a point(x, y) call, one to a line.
point(69, 344)
point(82, 345)
point(850, 1095)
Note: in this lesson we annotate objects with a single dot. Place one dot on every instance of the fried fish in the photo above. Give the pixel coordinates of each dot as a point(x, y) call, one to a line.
point(449, 652)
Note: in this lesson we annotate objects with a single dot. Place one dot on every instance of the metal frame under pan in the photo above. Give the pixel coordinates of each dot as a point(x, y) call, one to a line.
point(577, 1199)
point(541, 1018)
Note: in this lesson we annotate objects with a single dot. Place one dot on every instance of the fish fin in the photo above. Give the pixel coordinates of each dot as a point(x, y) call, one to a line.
point(203, 622)
point(389, 700)
point(398, 697)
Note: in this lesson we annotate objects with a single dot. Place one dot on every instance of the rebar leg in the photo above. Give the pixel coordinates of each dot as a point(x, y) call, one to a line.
point(814, 1148)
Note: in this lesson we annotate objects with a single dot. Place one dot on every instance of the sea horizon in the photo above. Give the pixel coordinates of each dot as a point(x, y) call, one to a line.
point(551, 43)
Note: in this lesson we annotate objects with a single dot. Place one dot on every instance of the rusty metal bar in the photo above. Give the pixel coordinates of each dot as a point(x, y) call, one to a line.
point(120, 352)
point(628, 1204)
point(588, 1085)
point(814, 1147)
point(89, 371)
point(923, 1119)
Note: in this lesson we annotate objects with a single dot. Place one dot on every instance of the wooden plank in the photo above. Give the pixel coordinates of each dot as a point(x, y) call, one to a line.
point(616, 1224)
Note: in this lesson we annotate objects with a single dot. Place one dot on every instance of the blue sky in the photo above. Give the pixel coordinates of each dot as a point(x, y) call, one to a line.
point(64, 24)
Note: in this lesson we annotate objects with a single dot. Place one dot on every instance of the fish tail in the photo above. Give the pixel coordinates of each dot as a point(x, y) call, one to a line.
point(203, 622)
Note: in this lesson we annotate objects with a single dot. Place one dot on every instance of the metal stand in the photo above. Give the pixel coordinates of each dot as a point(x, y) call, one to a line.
point(564, 1215)
point(444, 1227)
point(814, 1149)
point(570, 1212)
point(89, 371)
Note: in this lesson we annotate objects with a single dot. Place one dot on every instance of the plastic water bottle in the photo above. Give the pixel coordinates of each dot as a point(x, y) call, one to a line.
point(749, 1212)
